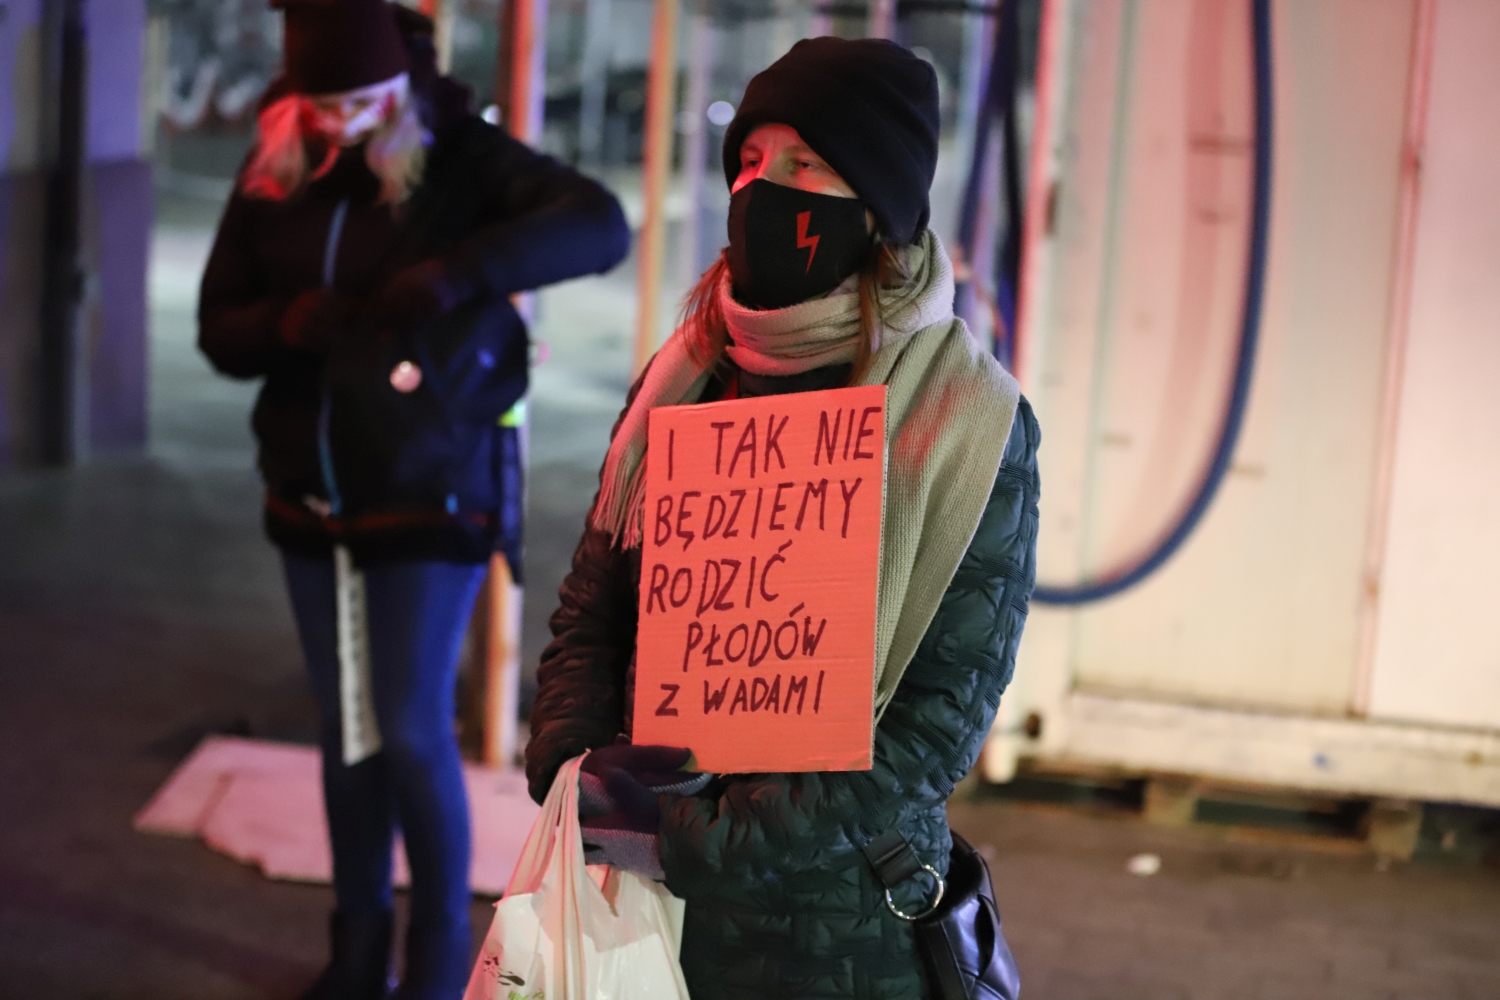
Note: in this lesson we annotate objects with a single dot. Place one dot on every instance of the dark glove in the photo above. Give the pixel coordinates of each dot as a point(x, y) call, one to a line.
point(634, 778)
point(605, 843)
point(316, 318)
point(620, 792)
point(416, 294)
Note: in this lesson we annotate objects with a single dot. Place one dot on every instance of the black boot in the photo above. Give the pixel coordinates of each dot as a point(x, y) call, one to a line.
point(361, 965)
point(437, 963)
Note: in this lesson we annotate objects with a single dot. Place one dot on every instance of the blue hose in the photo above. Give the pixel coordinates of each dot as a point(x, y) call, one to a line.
point(1234, 416)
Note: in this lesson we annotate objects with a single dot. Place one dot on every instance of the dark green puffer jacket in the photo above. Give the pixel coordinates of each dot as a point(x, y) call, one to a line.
point(780, 901)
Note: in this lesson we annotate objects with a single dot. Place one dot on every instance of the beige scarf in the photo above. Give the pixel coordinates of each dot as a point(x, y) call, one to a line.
point(949, 407)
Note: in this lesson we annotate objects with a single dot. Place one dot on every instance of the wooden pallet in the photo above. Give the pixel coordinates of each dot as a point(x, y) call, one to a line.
point(1387, 828)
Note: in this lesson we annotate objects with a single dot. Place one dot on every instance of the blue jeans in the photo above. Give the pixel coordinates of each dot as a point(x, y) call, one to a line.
point(418, 612)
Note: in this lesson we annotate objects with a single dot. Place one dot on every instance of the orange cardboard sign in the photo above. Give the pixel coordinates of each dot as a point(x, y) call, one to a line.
point(756, 640)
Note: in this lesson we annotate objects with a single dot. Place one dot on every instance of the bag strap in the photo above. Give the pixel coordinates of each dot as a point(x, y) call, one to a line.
point(555, 830)
point(894, 861)
point(892, 857)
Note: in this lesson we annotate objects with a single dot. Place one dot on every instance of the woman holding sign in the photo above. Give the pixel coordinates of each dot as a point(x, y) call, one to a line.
point(831, 280)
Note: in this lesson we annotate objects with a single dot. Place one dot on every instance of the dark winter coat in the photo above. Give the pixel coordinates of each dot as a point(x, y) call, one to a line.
point(427, 474)
point(780, 901)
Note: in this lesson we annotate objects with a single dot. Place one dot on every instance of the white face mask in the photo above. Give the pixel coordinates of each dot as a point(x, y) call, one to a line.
point(349, 118)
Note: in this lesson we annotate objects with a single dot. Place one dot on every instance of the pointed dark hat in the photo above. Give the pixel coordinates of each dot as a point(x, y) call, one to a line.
point(330, 46)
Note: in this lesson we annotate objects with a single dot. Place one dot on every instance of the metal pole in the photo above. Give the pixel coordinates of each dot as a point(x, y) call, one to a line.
point(700, 59)
point(1051, 84)
point(442, 14)
point(64, 399)
point(972, 110)
point(520, 67)
point(502, 663)
point(594, 90)
point(520, 90)
point(505, 17)
point(528, 68)
point(661, 86)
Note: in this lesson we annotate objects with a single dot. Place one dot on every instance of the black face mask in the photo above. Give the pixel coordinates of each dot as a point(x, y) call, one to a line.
point(787, 245)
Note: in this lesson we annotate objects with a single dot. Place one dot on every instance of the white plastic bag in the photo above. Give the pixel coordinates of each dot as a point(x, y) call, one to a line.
point(566, 932)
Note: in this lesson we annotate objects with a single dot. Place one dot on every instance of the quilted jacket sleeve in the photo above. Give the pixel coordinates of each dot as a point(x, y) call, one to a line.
point(580, 697)
point(580, 684)
point(929, 737)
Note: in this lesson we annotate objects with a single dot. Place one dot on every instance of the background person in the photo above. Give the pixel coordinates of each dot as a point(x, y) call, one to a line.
point(780, 900)
point(363, 269)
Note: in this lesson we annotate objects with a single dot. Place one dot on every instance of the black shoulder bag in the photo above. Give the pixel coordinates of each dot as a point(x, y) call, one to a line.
point(959, 936)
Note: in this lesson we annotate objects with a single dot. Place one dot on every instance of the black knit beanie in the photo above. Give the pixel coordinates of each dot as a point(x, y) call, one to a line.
point(330, 46)
point(868, 107)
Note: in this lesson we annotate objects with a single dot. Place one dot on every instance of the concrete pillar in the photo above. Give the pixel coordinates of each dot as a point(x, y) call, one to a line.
point(115, 215)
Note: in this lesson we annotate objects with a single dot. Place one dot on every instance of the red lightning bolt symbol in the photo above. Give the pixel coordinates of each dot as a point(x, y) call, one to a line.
point(804, 241)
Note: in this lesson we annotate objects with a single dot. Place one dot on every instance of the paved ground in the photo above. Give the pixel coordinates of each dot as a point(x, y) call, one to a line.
point(140, 608)
point(1225, 920)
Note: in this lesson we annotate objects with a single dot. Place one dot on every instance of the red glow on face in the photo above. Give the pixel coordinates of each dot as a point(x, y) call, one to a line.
point(777, 153)
point(348, 119)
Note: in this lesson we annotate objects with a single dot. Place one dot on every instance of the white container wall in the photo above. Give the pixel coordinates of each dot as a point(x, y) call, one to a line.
point(1330, 625)
point(1437, 653)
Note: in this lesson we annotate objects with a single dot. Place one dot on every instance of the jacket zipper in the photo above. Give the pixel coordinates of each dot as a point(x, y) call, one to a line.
point(325, 408)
